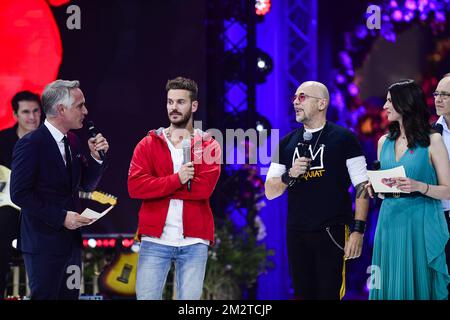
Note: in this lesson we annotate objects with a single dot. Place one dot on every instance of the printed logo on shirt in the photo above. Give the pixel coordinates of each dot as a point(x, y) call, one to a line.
point(317, 165)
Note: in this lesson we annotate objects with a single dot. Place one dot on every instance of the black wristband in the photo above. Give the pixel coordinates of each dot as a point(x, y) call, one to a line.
point(285, 178)
point(359, 226)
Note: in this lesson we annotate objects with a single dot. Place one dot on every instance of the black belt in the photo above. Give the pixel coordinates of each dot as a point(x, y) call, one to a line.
point(402, 195)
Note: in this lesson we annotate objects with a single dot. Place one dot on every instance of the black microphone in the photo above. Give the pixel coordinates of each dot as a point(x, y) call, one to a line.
point(307, 137)
point(376, 165)
point(92, 133)
point(186, 145)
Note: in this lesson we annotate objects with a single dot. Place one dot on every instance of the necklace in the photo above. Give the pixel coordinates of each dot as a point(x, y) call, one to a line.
point(318, 138)
point(169, 135)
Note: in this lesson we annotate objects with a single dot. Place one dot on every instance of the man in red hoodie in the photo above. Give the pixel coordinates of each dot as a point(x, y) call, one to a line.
point(175, 219)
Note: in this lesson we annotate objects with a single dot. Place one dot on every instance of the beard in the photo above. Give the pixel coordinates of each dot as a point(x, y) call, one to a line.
point(183, 120)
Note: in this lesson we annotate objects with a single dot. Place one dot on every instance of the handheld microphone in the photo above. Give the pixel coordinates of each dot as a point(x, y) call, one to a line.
point(92, 133)
point(186, 145)
point(376, 165)
point(307, 137)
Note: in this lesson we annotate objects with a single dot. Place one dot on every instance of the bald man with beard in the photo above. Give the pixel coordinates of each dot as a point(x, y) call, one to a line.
point(442, 125)
point(317, 176)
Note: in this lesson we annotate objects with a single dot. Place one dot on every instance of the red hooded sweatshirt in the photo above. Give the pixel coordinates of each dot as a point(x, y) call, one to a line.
point(151, 179)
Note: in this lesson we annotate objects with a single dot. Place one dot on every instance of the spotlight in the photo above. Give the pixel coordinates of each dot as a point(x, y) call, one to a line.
point(259, 126)
point(14, 243)
point(92, 243)
point(263, 124)
point(135, 247)
point(241, 120)
point(261, 64)
point(239, 65)
point(264, 65)
point(262, 7)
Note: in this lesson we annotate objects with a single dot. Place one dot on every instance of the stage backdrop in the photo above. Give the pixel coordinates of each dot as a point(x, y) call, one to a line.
point(123, 56)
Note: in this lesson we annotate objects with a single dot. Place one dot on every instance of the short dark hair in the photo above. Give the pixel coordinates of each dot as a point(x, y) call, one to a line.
point(24, 96)
point(184, 84)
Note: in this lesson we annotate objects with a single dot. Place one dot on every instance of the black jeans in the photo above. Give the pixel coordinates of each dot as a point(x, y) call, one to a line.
point(316, 263)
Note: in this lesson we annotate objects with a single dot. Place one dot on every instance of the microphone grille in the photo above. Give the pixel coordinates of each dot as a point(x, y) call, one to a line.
point(307, 136)
point(90, 125)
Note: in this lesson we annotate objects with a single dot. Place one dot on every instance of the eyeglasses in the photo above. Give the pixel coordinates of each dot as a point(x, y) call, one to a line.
point(444, 95)
point(302, 97)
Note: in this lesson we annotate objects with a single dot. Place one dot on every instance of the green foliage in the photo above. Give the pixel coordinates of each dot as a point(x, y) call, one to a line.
point(235, 262)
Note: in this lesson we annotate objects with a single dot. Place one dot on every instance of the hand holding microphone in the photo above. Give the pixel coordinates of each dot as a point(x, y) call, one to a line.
point(186, 172)
point(302, 164)
point(97, 143)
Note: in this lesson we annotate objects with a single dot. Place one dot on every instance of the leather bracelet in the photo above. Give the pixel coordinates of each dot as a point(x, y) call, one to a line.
point(287, 179)
point(359, 226)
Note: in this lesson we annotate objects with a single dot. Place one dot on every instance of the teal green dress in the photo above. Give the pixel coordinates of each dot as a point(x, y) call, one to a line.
point(408, 261)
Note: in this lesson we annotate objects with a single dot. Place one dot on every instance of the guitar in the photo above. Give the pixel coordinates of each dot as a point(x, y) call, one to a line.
point(119, 277)
point(5, 198)
point(101, 197)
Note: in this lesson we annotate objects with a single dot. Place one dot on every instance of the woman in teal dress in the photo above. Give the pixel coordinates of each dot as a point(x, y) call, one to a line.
point(408, 261)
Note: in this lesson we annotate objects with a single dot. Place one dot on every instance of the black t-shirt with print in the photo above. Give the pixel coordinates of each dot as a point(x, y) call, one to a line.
point(320, 198)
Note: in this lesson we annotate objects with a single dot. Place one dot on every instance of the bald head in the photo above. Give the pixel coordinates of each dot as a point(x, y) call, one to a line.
point(444, 83)
point(314, 88)
point(442, 100)
point(311, 104)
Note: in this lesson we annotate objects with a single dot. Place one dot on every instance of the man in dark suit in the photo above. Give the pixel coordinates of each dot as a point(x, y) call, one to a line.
point(48, 171)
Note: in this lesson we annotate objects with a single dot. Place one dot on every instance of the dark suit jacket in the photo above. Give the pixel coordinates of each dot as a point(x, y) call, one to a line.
point(40, 187)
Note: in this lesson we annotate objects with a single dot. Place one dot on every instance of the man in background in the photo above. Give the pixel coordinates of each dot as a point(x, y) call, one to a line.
point(27, 112)
point(442, 125)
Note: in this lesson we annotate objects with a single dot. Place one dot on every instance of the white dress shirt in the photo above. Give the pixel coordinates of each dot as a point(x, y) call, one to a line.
point(446, 138)
point(58, 136)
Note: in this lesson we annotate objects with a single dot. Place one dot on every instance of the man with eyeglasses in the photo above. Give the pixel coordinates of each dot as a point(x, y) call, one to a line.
point(317, 176)
point(442, 125)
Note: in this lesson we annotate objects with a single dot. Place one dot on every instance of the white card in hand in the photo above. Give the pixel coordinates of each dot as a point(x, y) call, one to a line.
point(91, 214)
point(382, 179)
